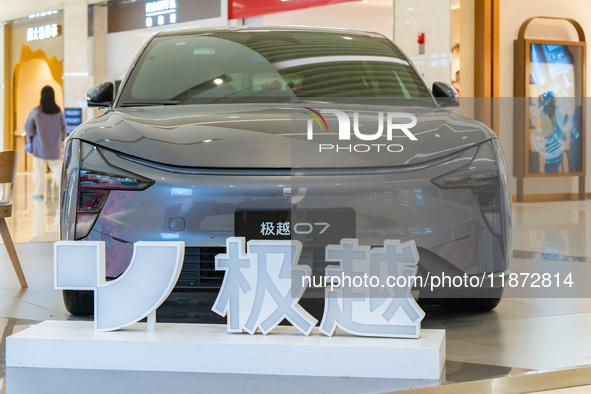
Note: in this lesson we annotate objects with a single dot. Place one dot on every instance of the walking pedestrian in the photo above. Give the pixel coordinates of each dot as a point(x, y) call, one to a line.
point(46, 129)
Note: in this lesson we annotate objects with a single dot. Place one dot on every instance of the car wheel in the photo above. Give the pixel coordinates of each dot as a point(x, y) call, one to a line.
point(79, 302)
point(469, 304)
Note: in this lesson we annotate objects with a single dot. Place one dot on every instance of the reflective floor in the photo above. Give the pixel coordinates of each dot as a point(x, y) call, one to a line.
point(34, 220)
point(521, 337)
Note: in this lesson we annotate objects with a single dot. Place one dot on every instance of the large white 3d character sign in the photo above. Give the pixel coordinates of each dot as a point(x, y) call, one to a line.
point(257, 291)
point(380, 309)
point(152, 274)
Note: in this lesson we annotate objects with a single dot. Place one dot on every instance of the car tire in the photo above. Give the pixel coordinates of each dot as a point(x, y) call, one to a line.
point(468, 304)
point(79, 302)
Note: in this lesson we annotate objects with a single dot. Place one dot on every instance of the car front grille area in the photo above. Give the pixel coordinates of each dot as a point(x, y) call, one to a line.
point(199, 269)
point(199, 272)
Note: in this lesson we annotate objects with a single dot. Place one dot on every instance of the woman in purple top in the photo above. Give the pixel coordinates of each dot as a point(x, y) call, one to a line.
point(46, 129)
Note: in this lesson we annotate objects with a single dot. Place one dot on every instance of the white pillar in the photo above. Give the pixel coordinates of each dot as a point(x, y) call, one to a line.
point(77, 78)
point(467, 48)
point(99, 43)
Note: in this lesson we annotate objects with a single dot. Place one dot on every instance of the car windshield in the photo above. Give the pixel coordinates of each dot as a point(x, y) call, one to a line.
point(270, 66)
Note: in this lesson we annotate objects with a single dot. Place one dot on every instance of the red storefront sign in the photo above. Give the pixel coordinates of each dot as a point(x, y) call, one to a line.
point(238, 9)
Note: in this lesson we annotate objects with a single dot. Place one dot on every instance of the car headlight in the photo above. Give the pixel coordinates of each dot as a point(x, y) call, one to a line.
point(481, 172)
point(97, 177)
point(485, 175)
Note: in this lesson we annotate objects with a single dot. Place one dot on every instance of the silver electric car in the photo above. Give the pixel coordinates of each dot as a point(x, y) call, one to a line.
point(286, 133)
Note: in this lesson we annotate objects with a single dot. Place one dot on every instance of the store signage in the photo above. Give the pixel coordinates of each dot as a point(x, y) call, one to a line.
point(141, 14)
point(239, 9)
point(262, 286)
point(160, 12)
point(43, 32)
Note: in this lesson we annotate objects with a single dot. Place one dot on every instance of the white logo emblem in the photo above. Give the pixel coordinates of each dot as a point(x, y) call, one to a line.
point(137, 293)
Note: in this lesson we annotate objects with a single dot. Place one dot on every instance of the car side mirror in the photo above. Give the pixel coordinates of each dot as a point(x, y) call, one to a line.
point(445, 94)
point(101, 95)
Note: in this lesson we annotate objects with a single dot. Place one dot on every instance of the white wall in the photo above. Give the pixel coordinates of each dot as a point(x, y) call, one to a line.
point(467, 48)
point(513, 14)
point(122, 47)
point(76, 62)
point(432, 17)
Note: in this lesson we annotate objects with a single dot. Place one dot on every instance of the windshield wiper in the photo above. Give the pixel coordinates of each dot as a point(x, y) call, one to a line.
point(150, 103)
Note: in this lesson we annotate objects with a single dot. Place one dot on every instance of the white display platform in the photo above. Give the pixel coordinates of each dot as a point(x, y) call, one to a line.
point(208, 348)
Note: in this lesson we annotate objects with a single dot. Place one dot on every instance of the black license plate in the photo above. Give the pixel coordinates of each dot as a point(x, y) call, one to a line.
point(317, 227)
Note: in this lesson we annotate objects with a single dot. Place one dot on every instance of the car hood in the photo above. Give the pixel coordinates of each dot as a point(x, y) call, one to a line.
point(275, 136)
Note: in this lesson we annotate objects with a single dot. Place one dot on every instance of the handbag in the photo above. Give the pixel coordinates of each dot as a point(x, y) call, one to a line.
point(29, 145)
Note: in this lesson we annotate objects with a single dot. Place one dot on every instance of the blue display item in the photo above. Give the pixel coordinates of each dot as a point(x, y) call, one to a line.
point(73, 118)
point(556, 116)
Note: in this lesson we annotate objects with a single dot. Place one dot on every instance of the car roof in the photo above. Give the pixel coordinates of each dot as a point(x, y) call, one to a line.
point(264, 29)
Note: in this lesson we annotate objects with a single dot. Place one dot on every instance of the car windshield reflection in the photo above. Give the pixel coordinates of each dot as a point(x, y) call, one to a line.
point(225, 67)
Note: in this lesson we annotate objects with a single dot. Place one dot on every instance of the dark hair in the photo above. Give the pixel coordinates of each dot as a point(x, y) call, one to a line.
point(48, 104)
